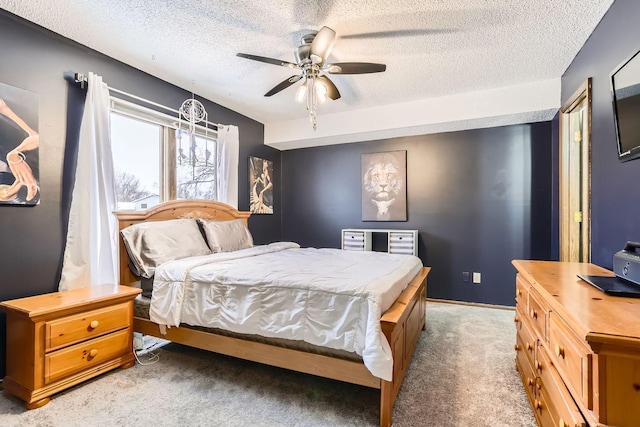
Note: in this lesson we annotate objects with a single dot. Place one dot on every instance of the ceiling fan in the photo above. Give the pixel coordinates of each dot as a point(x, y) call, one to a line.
point(311, 57)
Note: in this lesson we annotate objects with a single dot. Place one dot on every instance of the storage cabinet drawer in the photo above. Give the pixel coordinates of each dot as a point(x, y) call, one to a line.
point(353, 241)
point(83, 356)
point(563, 409)
point(71, 329)
point(401, 242)
point(572, 359)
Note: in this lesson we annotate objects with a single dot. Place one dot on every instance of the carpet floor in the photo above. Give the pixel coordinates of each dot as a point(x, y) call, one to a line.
point(462, 374)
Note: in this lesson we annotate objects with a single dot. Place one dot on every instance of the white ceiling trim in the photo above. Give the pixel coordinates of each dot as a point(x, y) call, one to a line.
point(524, 103)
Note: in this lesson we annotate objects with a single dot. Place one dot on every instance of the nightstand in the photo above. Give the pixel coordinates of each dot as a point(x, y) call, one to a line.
point(57, 340)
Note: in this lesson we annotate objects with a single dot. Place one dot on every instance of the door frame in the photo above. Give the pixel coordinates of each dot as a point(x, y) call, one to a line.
point(566, 215)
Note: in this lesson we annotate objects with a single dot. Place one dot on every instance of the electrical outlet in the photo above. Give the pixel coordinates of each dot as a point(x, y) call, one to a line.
point(476, 277)
point(465, 276)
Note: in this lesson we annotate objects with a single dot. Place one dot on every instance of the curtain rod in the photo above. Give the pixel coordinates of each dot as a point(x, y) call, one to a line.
point(82, 79)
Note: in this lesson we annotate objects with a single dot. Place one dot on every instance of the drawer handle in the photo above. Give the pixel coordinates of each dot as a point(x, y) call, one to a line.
point(559, 351)
point(516, 319)
point(519, 293)
point(516, 347)
point(539, 366)
point(561, 423)
point(538, 404)
point(93, 353)
point(530, 346)
point(94, 324)
point(534, 314)
point(530, 381)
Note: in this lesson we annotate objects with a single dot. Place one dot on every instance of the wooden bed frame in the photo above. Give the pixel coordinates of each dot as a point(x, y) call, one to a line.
point(401, 323)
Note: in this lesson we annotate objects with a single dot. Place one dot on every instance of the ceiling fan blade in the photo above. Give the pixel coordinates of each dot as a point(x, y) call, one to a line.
point(322, 45)
point(332, 90)
point(355, 68)
point(268, 60)
point(284, 84)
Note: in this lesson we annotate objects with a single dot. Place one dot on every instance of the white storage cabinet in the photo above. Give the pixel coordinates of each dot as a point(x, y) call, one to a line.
point(398, 241)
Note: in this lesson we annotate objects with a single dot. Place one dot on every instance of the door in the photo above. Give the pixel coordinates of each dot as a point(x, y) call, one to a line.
point(575, 176)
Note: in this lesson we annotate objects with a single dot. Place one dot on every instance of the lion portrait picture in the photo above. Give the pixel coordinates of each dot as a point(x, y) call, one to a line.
point(384, 186)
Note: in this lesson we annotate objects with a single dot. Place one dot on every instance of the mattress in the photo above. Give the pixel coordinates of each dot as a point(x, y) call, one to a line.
point(141, 310)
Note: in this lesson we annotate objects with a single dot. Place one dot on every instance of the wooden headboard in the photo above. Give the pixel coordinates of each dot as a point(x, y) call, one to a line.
point(173, 209)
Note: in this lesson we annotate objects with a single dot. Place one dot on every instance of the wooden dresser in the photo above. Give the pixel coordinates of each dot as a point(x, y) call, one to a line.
point(58, 340)
point(577, 349)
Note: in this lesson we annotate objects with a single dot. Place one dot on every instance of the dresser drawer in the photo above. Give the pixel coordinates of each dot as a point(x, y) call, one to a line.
point(522, 291)
point(401, 242)
point(83, 356)
point(525, 334)
point(541, 407)
point(353, 240)
point(72, 329)
point(572, 359)
point(537, 314)
point(561, 405)
point(525, 368)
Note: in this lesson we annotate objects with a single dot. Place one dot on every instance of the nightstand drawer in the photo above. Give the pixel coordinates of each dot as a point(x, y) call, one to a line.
point(71, 329)
point(83, 356)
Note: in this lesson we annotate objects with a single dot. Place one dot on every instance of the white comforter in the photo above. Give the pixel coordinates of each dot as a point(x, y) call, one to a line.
point(326, 297)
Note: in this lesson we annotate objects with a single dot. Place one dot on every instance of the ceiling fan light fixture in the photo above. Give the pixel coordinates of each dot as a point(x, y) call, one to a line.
point(311, 57)
point(321, 91)
point(301, 93)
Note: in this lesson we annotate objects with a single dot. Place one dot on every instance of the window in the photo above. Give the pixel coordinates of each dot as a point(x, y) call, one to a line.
point(195, 174)
point(156, 158)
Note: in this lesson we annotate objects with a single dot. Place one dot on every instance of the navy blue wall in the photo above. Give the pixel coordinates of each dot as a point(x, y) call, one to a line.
point(615, 194)
point(33, 237)
point(479, 198)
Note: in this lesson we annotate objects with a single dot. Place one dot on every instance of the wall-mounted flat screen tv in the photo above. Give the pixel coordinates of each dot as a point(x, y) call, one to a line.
point(625, 92)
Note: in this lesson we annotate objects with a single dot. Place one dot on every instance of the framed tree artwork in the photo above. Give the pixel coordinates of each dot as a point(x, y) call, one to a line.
point(384, 186)
point(19, 142)
point(260, 186)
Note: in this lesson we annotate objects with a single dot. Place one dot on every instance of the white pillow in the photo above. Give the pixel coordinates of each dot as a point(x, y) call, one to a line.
point(152, 243)
point(227, 236)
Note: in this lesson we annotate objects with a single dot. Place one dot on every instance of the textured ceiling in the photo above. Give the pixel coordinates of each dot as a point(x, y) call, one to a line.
point(432, 48)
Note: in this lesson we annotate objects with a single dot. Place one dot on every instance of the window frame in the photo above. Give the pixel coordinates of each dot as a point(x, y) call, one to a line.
point(167, 145)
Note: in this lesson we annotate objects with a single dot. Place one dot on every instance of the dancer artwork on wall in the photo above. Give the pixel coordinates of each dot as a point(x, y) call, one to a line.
point(260, 186)
point(384, 186)
point(19, 142)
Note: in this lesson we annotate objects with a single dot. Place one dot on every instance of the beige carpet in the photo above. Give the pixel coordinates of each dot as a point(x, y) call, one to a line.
point(462, 374)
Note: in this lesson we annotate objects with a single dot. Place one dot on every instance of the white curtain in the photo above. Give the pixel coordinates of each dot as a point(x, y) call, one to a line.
point(228, 154)
point(90, 256)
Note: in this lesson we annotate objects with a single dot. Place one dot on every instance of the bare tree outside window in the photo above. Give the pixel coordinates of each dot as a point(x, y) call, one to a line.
point(128, 187)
